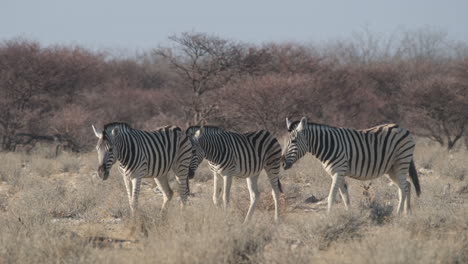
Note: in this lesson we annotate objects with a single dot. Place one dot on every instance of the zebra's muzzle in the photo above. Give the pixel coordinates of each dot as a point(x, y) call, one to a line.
point(103, 173)
point(286, 165)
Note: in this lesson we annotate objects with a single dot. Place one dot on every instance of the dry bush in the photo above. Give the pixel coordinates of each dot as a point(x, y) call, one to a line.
point(68, 163)
point(12, 167)
point(397, 245)
point(438, 161)
point(39, 184)
point(212, 236)
point(453, 165)
point(24, 241)
point(44, 167)
point(427, 153)
point(338, 227)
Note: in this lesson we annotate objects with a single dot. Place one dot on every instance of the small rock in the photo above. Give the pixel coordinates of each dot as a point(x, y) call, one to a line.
point(311, 199)
point(463, 190)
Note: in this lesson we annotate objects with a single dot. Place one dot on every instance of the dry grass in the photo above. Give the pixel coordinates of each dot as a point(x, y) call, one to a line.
point(52, 210)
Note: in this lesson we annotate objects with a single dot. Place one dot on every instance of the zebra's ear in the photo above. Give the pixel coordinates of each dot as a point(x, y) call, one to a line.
point(302, 124)
point(199, 132)
point(288, 123)
point(115, 131)
point(97, 133)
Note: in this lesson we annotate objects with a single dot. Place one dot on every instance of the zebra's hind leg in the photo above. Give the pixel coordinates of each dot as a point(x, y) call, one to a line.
point(253, 191)
point(163, 184)
point(275, 191)
point(345, 194)
point(408, 198)
point(337, 181)
point(400, 180)
point(136, 183)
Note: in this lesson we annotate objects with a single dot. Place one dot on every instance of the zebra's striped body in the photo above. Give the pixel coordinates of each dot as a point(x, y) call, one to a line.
point(241, 155)
point(144, 154)
point(360, 154)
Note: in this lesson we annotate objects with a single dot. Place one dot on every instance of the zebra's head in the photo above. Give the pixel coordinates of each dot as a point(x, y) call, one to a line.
point(105, 150)
point(296, 144)
point(197, 136)
point(198, 152)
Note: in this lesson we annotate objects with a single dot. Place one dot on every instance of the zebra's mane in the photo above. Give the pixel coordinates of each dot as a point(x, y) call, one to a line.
point(294, 124)
point(114, 124)
point(110, 126)
point(169, 127)
point(195, 128)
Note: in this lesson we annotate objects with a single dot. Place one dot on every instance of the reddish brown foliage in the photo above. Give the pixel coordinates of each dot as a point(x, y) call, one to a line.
point(205, 79)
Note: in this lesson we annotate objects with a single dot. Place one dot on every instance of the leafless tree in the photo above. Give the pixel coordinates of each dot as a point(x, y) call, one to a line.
point(264, 102)
point(441, 109)
point(205, 63)
point(35, 81)
point(423, 44)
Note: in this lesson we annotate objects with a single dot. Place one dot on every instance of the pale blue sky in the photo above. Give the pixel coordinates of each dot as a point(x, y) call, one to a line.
point(138, 24)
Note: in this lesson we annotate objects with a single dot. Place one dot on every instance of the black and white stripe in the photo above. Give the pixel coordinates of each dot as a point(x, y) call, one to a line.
point(360, 154)
point(197, 153)
point(143, 154)
point(240, 155)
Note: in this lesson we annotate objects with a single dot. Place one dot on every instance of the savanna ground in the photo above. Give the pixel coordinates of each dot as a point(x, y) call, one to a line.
point(52, 210)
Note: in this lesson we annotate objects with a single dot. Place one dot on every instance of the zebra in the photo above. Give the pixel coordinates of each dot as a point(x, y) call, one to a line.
point(231, 154)
point(143, 154)
point(197, 153)
point(360, 154)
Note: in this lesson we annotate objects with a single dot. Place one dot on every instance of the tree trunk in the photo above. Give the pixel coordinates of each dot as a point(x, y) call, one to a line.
point(450, 145)
point(452, 142)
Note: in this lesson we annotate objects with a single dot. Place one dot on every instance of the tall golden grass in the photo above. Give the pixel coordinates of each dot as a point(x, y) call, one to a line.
point(52, 210)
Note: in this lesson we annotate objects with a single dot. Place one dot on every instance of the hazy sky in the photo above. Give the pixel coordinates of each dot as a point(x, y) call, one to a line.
point(137, 24)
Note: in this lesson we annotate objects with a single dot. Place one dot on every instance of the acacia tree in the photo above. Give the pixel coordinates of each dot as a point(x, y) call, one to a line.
point(264, 102)
point(20, 84)
point(441, 107)
point(205, 63)
point(36, 81)
point(291, 58)
point(461, 75)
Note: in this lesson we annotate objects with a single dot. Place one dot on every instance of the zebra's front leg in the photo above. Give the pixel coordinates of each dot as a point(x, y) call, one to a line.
point(337, 181)
point(128, 186)
point(136, 182)
point(184, 189)
point(226, 190)
point(275, 192)
point(253, 191)
point(166, 190)
point(216, 190)
point(345, 194)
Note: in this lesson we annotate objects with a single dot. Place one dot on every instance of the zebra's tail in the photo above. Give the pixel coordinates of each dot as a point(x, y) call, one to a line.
point(279, 186)
point(414, 178)
point(191, 173)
